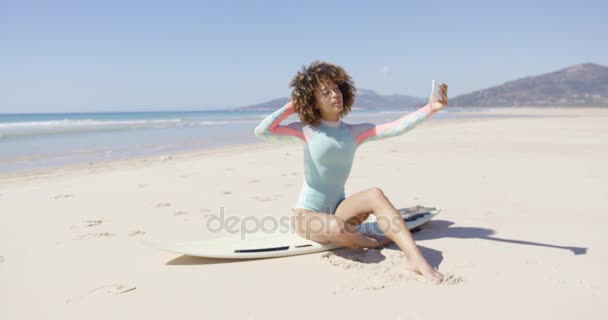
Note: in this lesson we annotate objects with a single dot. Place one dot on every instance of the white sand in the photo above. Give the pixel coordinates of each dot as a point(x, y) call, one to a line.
point(522, 233)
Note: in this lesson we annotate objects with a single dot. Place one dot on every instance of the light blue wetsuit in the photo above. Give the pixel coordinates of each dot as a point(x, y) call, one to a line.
point(329, 151)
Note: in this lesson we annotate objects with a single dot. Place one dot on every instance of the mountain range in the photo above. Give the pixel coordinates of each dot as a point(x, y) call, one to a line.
point(365, 99)
point(579, 85)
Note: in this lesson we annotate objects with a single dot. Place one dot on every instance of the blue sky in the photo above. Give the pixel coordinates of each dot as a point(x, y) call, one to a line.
point(70, 56)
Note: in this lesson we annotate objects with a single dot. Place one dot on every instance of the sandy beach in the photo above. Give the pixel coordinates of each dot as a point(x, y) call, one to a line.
point(521, 235)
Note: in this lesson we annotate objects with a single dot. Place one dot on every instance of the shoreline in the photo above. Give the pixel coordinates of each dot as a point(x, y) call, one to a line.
point(101, 165)
point(98, 165)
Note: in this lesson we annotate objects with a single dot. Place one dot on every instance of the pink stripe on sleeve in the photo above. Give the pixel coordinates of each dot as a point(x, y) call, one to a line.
point(286, 131)
point(288, 111)
point(380, 129)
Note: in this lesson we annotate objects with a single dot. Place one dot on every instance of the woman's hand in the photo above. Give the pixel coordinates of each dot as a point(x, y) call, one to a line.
point(437, 104)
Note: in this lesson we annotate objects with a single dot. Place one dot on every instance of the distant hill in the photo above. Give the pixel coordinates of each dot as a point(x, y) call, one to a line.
point(365, 99)
point(578, 85)
point(369, 99)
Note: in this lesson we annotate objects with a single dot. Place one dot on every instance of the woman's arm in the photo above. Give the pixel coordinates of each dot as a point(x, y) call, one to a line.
point(270, 129)
point(370, 132)
point(395, 128)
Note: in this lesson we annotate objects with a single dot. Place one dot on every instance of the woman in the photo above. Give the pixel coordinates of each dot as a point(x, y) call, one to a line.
point(322, 94)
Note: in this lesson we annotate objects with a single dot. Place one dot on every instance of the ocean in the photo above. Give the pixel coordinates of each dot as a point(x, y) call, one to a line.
point(40, 141)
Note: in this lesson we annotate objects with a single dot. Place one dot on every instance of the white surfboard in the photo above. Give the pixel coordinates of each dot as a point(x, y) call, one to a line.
point(258, 246)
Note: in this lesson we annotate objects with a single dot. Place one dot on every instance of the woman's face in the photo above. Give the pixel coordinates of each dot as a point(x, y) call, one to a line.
point(329, 98)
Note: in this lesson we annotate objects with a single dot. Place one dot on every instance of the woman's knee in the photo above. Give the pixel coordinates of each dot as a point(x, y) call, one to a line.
point(376, 195)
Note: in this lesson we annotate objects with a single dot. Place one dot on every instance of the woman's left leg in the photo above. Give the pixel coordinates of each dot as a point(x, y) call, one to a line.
point(356, 208)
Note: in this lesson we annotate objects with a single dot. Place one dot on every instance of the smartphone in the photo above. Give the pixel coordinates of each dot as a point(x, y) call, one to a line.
point(435, 89)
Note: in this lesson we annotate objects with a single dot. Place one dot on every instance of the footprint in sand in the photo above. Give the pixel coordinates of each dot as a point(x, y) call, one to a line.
point(1, 259)
point(88, 224)
point(92, 223)
point(120, 289)
point(94, 235)
point(451, 279)
point(162, 204)
point(107, 289)
point(227, 192)
point(205, 214)
point(62, 196)
point(137, 233)
point(179, 213)
point(268, 198)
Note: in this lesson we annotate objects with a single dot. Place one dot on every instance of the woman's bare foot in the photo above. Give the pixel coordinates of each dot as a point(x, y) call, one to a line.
point(422, 267)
